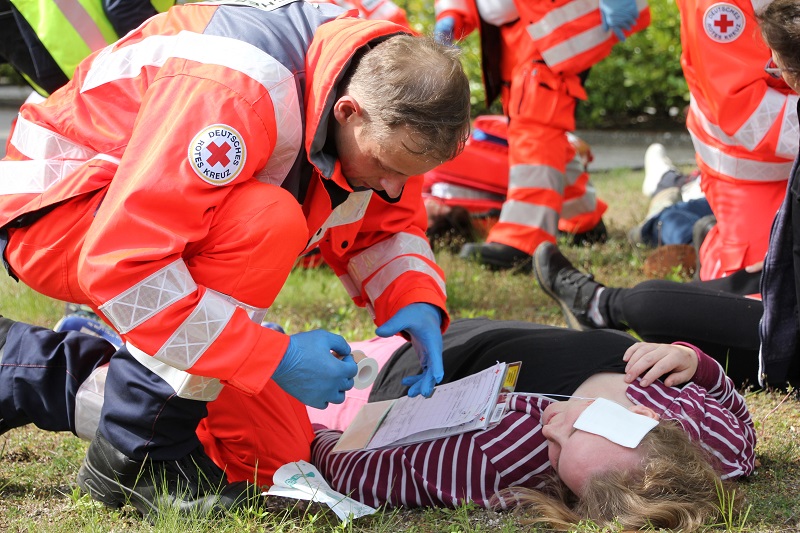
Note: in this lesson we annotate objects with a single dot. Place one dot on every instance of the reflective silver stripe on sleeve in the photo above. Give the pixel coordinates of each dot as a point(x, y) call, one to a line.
point(533, 216)
point(20, 177)
point(184, 384)
point(256, 314)
point(128, 61)
point(373, 258)
point(53, 158)
point(738, 168)
point(349, 211)
point(560, 16)
point(149, 297)
point(535, 177)
point(754, 129)
point(37, 142)
point(395, 269)
point(192, 338)
point(568, 48)
point(790, 132)
point(350, 286)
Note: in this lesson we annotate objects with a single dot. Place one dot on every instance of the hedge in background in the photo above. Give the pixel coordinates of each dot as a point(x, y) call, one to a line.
point(639, 83)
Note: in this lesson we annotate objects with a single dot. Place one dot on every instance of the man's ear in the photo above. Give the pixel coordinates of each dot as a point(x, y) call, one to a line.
point(346, 109)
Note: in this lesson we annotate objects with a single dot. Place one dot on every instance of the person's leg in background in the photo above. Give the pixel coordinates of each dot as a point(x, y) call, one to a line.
point(541, 111)
point(714, 316)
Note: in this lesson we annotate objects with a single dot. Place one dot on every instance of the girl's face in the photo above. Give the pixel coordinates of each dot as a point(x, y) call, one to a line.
point(576, 455)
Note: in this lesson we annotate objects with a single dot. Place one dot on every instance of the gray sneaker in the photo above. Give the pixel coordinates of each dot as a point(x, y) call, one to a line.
point(570, 288)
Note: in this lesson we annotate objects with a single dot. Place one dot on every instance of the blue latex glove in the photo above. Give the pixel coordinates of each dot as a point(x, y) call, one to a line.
point(618, 15)
point(443, 30)
point(311, 373)
point(422, 322)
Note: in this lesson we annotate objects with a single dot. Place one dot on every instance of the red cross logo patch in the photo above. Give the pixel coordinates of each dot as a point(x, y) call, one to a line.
point(724, 23)
point(217, 154)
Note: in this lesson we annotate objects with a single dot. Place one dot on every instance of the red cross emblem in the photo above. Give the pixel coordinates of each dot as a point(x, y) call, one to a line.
point(219, 153)
point(724, 22)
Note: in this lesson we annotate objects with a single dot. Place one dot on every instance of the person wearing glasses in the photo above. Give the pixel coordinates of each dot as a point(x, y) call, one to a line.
point(780, 28)
point(743, 122)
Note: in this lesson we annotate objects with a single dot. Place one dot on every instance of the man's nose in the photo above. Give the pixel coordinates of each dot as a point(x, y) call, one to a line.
point(393, 185)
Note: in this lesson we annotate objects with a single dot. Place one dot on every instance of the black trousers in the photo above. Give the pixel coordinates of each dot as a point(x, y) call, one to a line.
point(713, 315)
point(554, 360)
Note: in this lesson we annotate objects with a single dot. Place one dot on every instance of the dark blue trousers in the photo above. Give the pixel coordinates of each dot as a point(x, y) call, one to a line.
point(41, 371)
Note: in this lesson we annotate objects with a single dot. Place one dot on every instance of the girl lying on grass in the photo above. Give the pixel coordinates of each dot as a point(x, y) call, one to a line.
point(534, 456)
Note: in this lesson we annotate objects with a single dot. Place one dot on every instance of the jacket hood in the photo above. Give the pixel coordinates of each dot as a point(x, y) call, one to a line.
point(328, 58)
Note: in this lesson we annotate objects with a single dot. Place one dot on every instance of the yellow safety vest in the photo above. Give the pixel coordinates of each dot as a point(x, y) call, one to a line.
point(72, 29)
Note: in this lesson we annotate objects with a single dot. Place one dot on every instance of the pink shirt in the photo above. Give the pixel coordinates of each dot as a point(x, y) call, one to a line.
point(339, 416)
point(475, 466)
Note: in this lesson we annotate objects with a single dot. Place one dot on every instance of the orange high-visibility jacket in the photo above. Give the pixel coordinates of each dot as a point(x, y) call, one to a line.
point(742, 120)
point(145, 121)
point(566, 34)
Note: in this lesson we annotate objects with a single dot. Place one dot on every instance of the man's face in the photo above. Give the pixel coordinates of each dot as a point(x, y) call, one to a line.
point(370, 164)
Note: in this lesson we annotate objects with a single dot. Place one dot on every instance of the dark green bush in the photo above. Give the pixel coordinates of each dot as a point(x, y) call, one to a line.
point(639, 83)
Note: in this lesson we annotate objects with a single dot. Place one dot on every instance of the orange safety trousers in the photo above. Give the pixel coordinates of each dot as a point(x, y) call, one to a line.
point(248, 252)
point(540, 105)
point(744, 211)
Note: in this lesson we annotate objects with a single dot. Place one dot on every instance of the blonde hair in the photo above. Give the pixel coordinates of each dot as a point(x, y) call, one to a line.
point(675, 487)
point(418, 83)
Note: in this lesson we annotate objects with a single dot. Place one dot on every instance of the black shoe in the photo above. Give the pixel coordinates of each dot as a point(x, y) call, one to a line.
point(596, 235)
point(192, 485)
point(497, 256)
point(572, 289)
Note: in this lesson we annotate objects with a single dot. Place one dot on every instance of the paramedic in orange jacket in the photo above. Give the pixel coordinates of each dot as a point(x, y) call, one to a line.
point(178, 221)
point(533, 54)
point(743, 124)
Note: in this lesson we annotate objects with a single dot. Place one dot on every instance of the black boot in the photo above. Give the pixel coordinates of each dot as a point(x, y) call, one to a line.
point(497, 256)
point(192, 485)
point(570, 288)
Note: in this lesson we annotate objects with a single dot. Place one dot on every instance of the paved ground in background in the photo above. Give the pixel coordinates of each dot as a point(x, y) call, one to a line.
point(611, 149)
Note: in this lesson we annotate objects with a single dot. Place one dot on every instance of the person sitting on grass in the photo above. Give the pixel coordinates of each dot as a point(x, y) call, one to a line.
point(534, 456)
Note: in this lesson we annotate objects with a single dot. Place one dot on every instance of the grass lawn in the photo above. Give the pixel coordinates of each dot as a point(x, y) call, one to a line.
point(38, 469)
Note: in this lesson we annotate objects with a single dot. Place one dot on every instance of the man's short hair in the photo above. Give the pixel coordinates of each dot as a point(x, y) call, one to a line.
point(418, 83)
